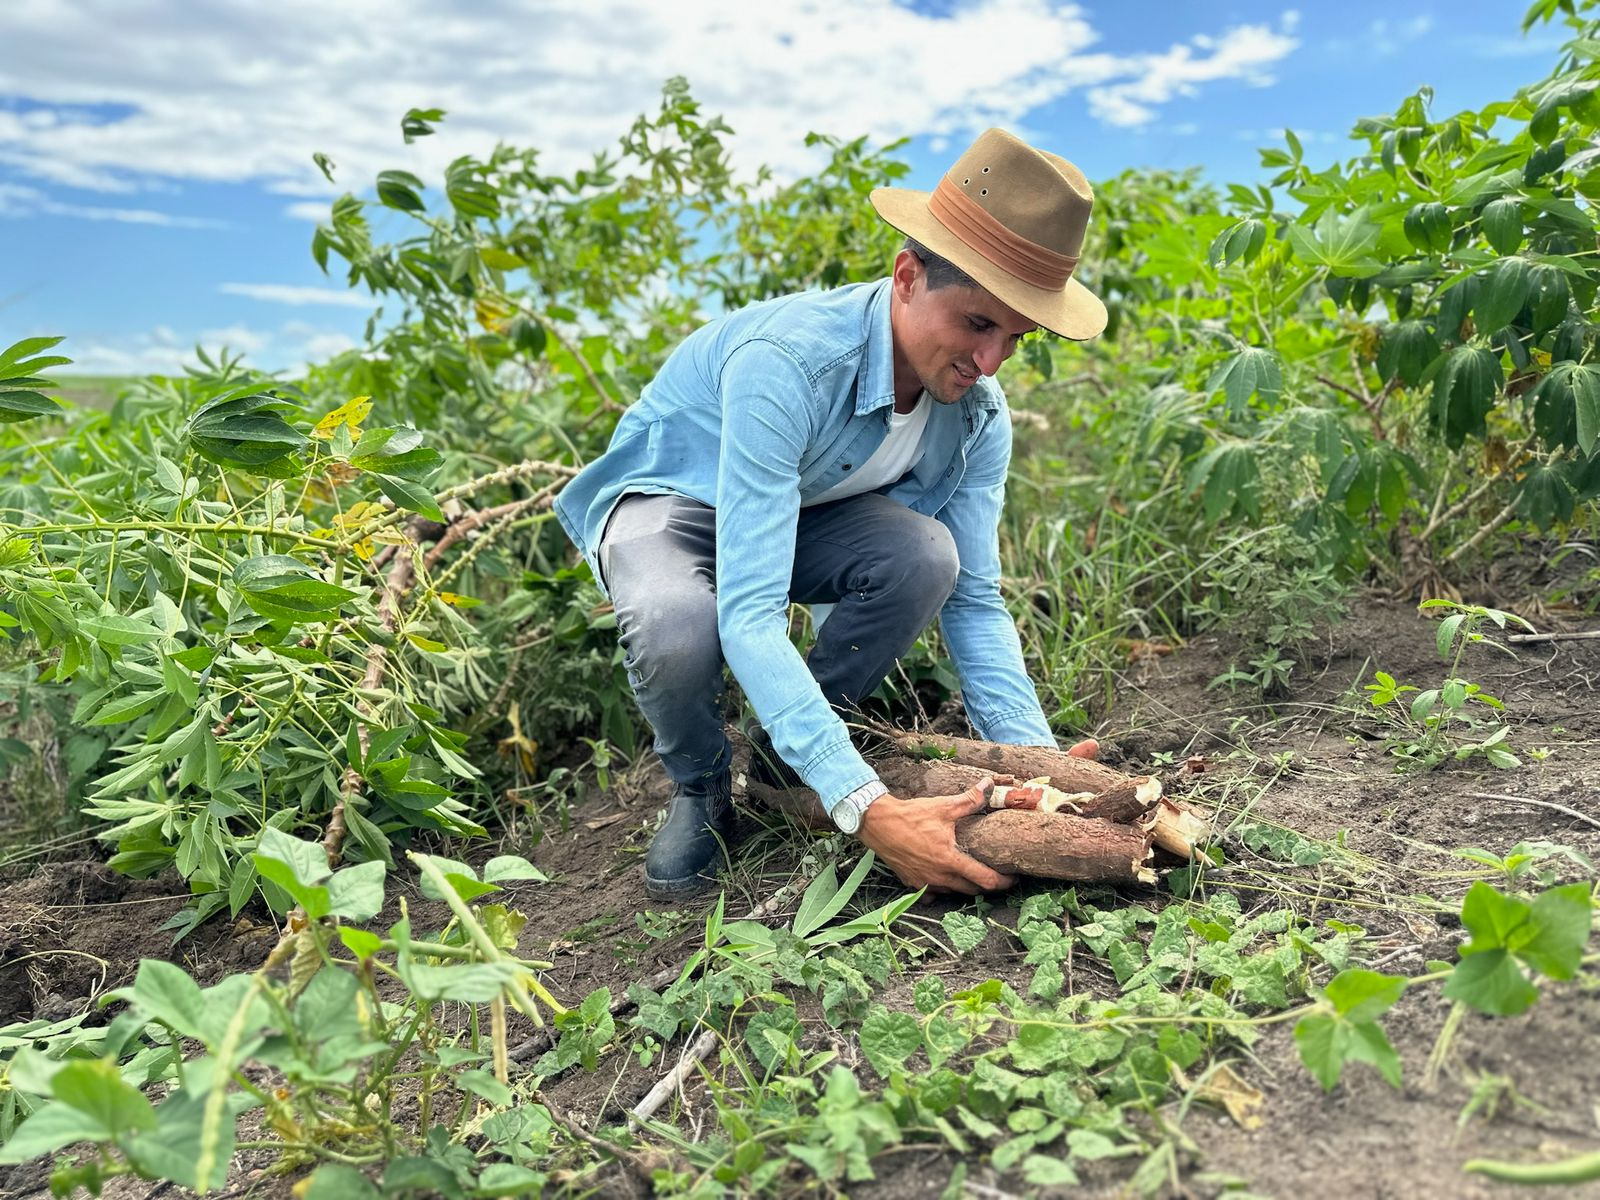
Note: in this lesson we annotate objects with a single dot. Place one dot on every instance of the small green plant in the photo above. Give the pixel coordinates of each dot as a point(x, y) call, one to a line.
point(340, 1027)
point(1527, 862)
point(1514, 942)
point(1273, 612)
point(1448, 722)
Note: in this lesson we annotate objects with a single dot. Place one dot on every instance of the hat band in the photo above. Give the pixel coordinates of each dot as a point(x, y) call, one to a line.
point(980, 229)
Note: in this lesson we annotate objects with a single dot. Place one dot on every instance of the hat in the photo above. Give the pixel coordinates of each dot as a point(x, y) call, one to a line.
point(1013, 218)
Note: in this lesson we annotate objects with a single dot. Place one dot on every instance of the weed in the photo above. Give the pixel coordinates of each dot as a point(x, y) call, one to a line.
point(1445, 722)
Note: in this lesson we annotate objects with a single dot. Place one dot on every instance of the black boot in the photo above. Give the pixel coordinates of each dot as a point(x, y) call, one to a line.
point(767, 767)
point(685, 853)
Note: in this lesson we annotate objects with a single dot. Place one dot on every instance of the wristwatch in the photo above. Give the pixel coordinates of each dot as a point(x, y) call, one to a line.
point(848, 812)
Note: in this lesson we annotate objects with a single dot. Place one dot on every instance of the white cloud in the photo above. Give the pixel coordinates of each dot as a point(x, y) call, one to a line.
point(1277, 137)
point(1386, 37)
point(1245, 52)
point(260, 89)
point(308, 210)
point(19, 200)
point(162, 350)
point(283, 293)
point(239, 338)
point(321, 346)
point(1483, 46)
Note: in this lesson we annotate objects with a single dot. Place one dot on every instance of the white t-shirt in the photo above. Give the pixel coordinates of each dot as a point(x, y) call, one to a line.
point(897, 454)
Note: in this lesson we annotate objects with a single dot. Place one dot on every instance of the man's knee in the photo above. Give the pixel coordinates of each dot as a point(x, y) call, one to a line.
point(928, 561)
point(670, 635)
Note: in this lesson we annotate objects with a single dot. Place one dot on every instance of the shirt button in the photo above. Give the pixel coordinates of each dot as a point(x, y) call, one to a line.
point(847, 466)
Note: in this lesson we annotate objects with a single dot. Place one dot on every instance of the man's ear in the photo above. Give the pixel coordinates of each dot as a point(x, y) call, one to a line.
point(908, 269)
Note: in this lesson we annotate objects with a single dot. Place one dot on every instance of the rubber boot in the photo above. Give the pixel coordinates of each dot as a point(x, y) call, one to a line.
point(686, 852)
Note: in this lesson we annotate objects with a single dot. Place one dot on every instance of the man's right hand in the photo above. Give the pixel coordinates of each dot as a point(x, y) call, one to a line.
point(917, 838)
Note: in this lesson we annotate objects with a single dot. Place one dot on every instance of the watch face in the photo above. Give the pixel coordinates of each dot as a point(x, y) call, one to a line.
point(847, 817)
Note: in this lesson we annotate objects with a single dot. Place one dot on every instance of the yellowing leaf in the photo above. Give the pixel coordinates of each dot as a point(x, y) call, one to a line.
point(492, 312)
point(351, 413)
point(458, 601)
point(358, 513)
point(428, 644)
point(518, 745)
point(1242, 1101)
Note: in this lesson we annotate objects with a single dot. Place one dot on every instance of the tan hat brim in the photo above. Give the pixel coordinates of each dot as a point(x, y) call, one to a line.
point(1073, 312)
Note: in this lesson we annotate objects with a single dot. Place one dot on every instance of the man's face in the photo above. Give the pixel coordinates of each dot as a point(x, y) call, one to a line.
point(949, 337)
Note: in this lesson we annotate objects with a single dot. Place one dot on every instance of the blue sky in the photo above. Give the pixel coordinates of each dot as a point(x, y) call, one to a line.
point(157, 190)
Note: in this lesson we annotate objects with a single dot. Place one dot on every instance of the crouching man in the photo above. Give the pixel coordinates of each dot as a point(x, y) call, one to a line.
point(845, 448)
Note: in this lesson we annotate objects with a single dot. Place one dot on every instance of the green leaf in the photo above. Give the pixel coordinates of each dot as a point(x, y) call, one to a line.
point(1560, 920)
point(282, 588)
point(1044, 1171)
point(410, 496)
point(419, 122)
point(481, 1083)
point(1343, 244)
point(1463, 393)
point(1502, 224)
point(127, 708)
point(477, 983)
point(1544, 496)
point(1550, 298)
point(1444, 641)
point(298, 867)
point(166, 993)
point(1491, 917)
point(1406, 349)
point(1247, 372)
point(363, 943)
point(528, 335)
point(822, 901)
point(356, 893)
point(113, 629)
point(461, 878)
point(49, 1129)
point(1504, 289)
point(24, 405)
point(1361, 995)
point(1428, 227)
point(888, 1039)
point(1238, 243)
point(965, 931)
point(1231, 478)
point(244, 430)
point(334, 1181)
point(1492, 983)
point(170, 1151)
point(1322, 1042)
point(1369, 1044)
point(400, 189)
point(95, 1087)
point(512, 866)
point(26, 348)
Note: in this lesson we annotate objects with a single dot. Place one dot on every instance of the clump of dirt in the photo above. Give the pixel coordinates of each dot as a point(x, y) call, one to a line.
point(72, 931)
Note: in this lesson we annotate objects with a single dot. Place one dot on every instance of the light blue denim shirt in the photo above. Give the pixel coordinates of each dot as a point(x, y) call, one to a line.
point(765, 407)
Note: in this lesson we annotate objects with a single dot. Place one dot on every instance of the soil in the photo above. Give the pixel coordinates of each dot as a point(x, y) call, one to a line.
point(1312, 761)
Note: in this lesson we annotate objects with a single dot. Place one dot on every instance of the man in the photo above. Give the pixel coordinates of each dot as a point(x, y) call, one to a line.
point(845, 448)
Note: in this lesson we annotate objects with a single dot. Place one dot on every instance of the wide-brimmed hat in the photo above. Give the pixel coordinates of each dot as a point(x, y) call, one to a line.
point(1013, 218)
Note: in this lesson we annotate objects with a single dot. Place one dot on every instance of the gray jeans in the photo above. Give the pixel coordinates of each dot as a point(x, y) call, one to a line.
point(886, 569)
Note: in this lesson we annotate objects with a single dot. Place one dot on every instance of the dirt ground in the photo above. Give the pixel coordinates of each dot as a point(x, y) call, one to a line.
point(1312, 761)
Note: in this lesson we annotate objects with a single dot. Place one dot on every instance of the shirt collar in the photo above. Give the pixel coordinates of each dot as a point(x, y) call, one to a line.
point(875, 381)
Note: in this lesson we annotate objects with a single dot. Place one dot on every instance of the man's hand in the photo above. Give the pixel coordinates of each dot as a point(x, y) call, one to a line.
point(917, 838)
